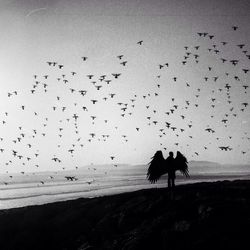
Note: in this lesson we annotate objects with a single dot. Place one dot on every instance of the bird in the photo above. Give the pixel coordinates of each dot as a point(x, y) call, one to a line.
point(116, 75)
point(124, 63)
point(94, 101)
point(70, 178)
point(90, 76)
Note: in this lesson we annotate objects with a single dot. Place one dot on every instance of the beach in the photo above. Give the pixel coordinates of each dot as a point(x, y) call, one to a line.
point(27, 190)
point(205, 215)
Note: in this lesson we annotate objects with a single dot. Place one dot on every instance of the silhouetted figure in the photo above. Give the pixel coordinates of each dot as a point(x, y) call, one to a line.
point(159, 166)
point(169, 162)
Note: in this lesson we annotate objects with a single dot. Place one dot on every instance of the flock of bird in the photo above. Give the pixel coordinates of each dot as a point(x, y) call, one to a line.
point(101, 92)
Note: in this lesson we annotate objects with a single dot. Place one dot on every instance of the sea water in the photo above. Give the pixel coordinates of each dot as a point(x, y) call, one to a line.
point(29, 191)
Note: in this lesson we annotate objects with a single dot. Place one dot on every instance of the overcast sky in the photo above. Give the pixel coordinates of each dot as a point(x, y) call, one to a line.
point(131, 125)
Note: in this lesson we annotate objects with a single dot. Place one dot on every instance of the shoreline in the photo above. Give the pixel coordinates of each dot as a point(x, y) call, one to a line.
point(17, 200)
point(203, 215)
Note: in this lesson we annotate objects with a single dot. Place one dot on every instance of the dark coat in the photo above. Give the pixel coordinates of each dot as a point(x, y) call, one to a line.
point(170, 165)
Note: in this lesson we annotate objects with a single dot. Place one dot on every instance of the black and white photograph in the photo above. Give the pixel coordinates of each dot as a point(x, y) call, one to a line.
point(124, 124)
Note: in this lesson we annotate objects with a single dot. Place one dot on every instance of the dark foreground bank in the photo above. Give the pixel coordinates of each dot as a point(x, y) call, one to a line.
point(199, 216)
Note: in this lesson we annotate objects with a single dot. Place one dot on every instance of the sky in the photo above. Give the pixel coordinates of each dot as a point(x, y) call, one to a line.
point(167, 97)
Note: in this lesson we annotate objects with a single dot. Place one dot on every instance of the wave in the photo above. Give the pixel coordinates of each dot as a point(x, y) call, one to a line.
point(41, 195)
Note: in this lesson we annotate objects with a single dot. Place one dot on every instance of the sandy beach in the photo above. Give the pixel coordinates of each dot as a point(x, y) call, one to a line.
point(196, 216)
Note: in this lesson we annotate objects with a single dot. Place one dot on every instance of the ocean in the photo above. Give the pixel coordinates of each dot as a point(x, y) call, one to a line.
point(28, 190)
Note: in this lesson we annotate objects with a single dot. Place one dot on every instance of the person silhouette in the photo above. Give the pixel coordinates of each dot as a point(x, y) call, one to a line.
point(170, 165)
point(159, 166)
